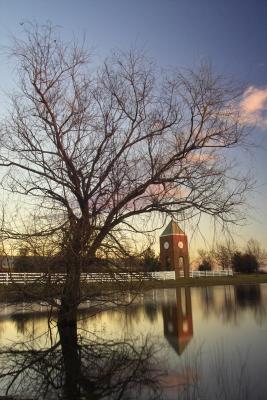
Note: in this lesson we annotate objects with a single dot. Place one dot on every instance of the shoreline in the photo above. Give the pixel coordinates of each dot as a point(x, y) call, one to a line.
point(210, 281)
point(33, 292)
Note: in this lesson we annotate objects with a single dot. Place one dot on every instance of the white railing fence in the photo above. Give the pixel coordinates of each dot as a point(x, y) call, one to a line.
point(29, 277)
point(202, 274)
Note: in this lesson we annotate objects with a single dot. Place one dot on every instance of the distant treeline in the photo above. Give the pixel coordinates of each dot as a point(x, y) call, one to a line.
point(251, 259)
point(146, 261)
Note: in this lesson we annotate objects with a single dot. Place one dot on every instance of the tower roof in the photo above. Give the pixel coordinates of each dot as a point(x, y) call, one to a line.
point(172, 229)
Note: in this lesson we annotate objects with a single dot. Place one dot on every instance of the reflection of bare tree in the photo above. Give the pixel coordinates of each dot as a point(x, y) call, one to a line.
point(21, 321)
point(229, 308)
point(232, 379)
point(207, 298)
point(249, 297)
point(231, 302)
point(1, 330)
point(151, 305)
point(151, 311)
point(78, 368)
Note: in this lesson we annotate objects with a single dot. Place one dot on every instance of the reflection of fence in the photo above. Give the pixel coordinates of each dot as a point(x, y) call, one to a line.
point(28, 277)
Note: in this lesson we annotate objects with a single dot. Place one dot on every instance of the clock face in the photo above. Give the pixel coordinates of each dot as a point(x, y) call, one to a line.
point(166, 245)
point(180, 245)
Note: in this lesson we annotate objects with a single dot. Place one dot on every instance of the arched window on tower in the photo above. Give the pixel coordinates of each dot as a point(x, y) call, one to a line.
point(168, 263)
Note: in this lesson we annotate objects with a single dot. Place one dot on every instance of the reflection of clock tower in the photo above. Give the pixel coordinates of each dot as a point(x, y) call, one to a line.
point(174, 250)
point(177, 318)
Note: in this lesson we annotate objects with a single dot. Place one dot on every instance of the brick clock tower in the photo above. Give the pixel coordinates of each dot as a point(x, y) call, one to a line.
point(174, 254)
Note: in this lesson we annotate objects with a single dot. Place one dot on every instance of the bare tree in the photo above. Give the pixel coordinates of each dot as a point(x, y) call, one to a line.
point(95, 151)
point(253, 248)
point(205, 260)
point(223, 253)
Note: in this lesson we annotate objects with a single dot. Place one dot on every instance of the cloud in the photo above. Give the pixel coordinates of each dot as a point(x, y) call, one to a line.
point(253, 107)
point(167, 191)
point(199, 157)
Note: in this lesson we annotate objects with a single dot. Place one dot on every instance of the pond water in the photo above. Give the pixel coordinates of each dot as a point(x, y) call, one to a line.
point(198, 343)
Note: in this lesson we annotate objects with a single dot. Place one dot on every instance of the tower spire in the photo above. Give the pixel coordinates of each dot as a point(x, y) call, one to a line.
point(174, 250)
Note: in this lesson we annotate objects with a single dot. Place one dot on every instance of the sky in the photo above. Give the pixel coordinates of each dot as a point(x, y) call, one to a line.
point(230, 34)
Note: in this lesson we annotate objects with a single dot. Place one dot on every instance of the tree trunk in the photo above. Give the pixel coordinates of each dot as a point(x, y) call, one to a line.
point(71, 360)
point(70, 297)
point(73, 259)
point(67, 328)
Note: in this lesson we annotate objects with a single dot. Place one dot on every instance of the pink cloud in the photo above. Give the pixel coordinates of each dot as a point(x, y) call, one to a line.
point(253, 107)
point(167, 191)
point(199, 157)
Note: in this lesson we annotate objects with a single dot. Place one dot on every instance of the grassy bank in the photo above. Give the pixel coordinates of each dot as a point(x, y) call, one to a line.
point(30, 292)
point(208, 281)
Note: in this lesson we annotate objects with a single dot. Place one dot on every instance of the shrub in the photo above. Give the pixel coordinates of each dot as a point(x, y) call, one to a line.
point(150, 261)
point(245, 263)
point(205, 266)
point(24, 263)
